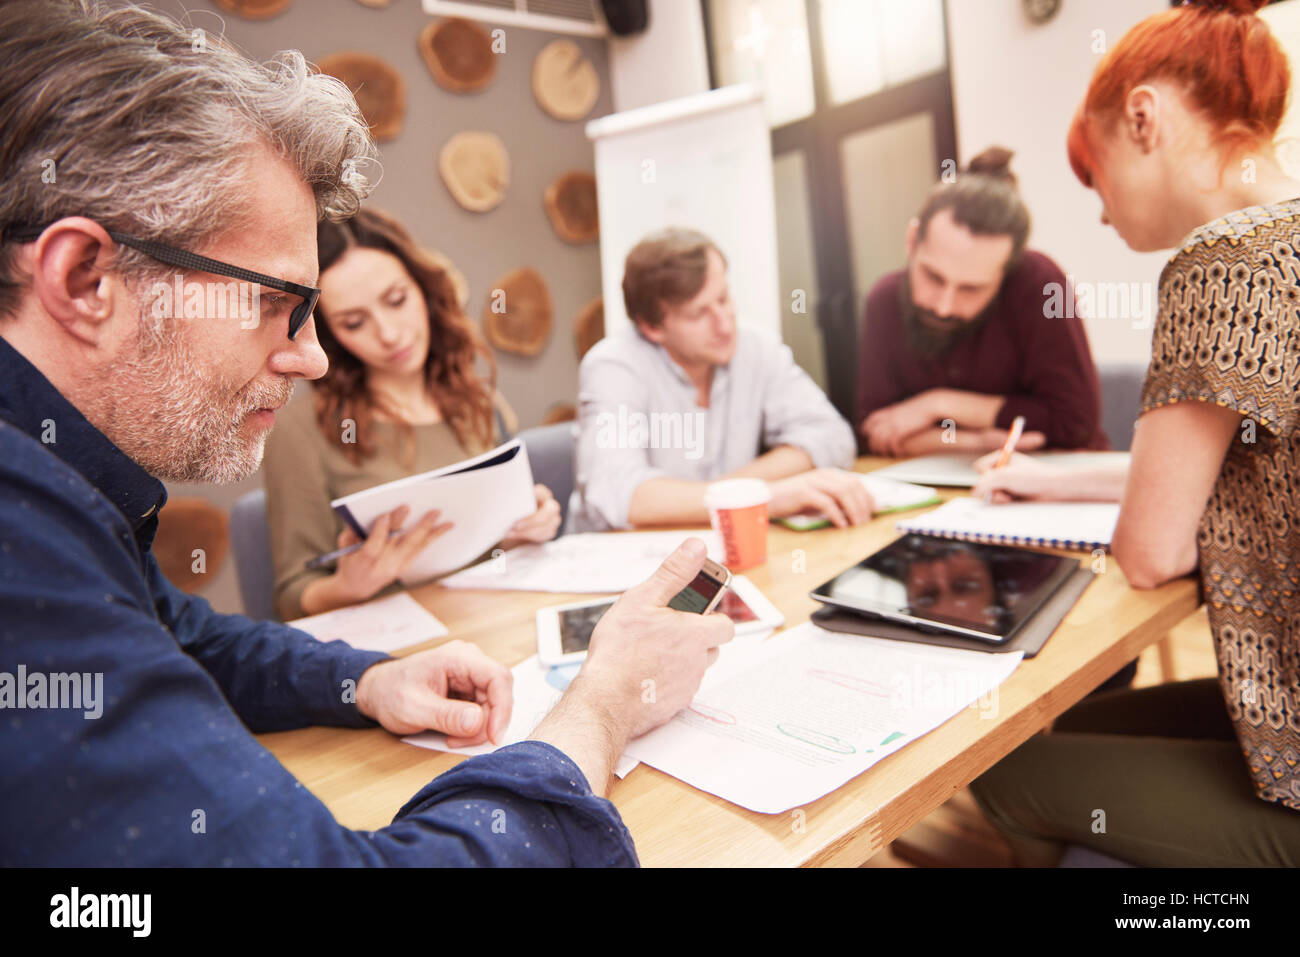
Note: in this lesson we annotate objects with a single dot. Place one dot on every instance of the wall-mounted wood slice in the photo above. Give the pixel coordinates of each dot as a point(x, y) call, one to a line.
point(458, 52)
point(378, 87)
point(571, 205)
point(254, 9)
point(517, 315)
point(564, 81)
point(476, 168)
point(589, 327)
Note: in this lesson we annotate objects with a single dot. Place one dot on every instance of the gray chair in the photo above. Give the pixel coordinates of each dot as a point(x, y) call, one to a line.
point(251, 540)
point(1121, 395)
point(550, 453)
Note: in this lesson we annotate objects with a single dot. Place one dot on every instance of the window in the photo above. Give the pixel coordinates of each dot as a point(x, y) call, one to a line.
point(859, 100)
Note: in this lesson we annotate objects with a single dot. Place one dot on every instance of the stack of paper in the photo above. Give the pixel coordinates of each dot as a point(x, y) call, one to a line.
point(780, 722)
point(813, 709)
point(599, 563)
point(537, 689)
point(385, 624)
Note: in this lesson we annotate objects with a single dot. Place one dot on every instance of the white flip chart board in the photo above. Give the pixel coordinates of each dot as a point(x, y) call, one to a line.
point(703, 162)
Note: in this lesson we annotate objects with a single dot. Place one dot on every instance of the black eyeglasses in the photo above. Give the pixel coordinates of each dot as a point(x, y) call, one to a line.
point(183, 259)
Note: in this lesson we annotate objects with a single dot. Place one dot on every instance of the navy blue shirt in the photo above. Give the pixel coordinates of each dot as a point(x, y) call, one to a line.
point(168, 772)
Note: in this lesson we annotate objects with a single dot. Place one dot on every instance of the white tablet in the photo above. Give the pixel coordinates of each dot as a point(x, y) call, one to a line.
point(564, 631)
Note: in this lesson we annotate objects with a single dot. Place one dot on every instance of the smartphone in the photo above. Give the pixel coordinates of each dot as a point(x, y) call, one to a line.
point(705, 591)
point(564, 631)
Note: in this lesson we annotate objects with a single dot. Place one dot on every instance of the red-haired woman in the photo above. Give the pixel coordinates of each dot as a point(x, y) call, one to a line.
point(402, 396)
point(1175, 135)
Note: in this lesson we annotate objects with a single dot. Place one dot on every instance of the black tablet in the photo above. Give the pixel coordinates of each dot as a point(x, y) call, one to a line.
point(938, 584)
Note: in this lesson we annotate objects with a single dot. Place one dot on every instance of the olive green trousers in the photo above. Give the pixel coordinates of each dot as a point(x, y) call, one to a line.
point(1153, 777)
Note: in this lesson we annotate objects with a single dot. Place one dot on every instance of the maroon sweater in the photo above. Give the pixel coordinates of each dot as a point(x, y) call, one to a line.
point(1043, 366)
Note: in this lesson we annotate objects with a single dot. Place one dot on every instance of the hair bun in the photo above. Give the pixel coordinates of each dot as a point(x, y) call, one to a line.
point(994, 162)
point(1245, 8)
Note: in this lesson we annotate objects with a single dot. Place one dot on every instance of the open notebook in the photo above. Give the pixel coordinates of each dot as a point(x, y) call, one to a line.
point(482, 497)
point(1074, 525)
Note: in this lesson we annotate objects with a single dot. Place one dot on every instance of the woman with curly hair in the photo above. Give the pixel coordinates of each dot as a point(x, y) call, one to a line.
point(403, 395)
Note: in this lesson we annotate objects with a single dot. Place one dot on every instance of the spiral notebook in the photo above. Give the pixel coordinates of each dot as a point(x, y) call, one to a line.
point(1082, 526)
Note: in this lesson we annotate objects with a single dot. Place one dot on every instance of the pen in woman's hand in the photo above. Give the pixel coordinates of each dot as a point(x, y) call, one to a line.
point(329, 558)
point(1009, 447)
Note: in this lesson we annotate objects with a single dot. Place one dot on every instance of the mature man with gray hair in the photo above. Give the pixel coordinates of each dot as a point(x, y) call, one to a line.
point(143, 177)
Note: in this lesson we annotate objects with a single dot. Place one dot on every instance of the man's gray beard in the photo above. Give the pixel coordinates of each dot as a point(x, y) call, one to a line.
point(929, 342)
point(177, 422)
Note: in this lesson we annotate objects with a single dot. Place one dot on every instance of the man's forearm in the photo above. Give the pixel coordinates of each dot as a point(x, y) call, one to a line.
point(668, 501)
point(932, 440)
point(778, 463)
point(970, 410)
point(589, 730)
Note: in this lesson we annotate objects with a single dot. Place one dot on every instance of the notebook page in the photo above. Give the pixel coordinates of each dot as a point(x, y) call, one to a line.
point(1085, 524)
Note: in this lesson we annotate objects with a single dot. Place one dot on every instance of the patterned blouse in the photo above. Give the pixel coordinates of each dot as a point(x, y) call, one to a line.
point(1228, 332)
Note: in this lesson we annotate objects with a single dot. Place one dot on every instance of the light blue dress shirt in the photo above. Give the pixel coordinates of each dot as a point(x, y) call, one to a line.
point(639, 420)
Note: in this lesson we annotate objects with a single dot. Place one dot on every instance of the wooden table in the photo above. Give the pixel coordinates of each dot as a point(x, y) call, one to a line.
point(365, 776)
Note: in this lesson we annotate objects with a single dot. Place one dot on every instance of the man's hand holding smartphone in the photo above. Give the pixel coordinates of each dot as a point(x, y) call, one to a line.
point(652, 657)
point(644, 665)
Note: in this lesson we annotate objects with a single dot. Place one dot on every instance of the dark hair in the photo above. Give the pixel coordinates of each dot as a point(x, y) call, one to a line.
point(984, 199)
point(667, 267)
point(463, 397)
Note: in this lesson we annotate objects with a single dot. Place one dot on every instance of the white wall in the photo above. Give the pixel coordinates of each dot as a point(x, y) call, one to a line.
point(701, 162)
point(1018, 85)
point(1284, 20)
point(665, 62)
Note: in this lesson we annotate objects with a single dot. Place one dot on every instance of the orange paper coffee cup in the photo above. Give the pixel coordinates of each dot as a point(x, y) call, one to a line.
point(738, 513)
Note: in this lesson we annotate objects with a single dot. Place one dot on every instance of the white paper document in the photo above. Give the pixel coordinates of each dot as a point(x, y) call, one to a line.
point(385, 624)
point(537, 689)
point(598, 563)
point(482, 497)
point(812, 709)
point(534, 697)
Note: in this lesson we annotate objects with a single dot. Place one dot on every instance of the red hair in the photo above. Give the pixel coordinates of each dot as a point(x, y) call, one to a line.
point(1226, 59)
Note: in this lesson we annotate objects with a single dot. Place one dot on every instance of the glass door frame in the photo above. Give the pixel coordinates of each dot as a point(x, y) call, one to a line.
point(839, 304)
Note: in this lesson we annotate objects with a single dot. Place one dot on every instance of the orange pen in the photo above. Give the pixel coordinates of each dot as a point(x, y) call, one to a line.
point(1017, 427)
